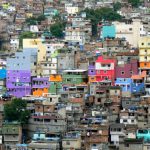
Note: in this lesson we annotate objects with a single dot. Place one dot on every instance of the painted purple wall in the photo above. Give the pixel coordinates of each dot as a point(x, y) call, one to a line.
point(91, 70)
point(40, 82)
point(18, 82)
point(127, 69)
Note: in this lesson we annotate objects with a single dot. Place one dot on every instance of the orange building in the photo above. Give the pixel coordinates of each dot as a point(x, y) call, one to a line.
point(40, 86)
point(55, 78)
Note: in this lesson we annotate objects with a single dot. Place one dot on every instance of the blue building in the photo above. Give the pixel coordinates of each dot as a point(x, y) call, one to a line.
point(108, 32)
point(143, 134)
point(2, 74)
point(125, 84)
point(23, 60)
point(138, 86)
point(133, 86)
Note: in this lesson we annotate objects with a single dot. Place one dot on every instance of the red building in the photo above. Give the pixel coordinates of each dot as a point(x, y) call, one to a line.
point(105, 70)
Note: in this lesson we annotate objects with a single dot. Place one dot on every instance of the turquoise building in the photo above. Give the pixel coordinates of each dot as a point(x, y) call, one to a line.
point(2, 74)
point(144, 134)
point(108, 31)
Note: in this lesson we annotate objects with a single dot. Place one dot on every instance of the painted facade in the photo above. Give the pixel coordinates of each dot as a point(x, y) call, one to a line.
point(19, 71)
point(74, 76)
point(127, 70)
point(2, 74)
point(40, 86)
point(105, 69)
point(18, 83)
point(108, 32)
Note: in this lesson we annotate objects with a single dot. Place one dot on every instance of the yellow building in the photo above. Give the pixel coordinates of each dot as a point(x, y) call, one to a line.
point(28, 15)
point(41, 56)
point(144, 53)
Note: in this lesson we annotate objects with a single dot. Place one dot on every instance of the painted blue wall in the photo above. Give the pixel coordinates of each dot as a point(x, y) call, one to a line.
point(128, 85)
point(124, 83)
point(2, 73)
point(22, 60)
point(138, 87)
point(108, 31)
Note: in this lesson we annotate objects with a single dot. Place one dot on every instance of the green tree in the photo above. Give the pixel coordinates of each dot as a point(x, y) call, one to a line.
point(57, 29)
point(35, 20)
point(117, 6)
point(31, 21)
point(100, 14)
point(41, 18)
point(16, 111)
point(25, 35)
point(134, 3)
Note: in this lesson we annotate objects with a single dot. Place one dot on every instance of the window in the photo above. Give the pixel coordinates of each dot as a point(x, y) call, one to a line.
point(125, 120)
point(145, 64)
point(132, 121)
point(148, 147)
point(142, 43)
point(145, 57)
point(130, 29)
point(131, 72)
point(67, 143)
point(149, 44)
point(105, 71)
point(50, 99)
point(119, 129)
point(145, 51)
point(143, 131)
point(122, 72)
point(99, 100)
point(68, 80)
point(126, 145)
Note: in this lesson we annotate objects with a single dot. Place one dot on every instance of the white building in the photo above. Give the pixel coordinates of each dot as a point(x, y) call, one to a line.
point(14, 43)
point(71, 8)
point(128, 120)
point(79, 31)
point(130, 31)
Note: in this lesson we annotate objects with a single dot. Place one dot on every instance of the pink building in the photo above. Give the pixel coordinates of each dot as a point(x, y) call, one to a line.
point(105, 70)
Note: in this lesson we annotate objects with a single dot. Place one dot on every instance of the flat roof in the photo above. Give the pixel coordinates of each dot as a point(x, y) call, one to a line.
point(77, 70)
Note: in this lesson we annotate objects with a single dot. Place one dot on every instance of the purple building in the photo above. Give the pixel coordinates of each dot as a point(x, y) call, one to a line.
point(40, 82)
point(91, 70)
point(18, 82)
point(127, 70)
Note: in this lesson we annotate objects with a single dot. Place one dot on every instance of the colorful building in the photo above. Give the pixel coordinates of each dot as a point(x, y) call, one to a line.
point(127, 70)
point(144, 52)
point(108, 31)
point(40, 86)
point(2, 74)
point(138, 85)
point(77, 76)
point(105, 69)
point(144, 60)
point(91, 73)
point(19, 71)
point(125, 84)
point(18, 82)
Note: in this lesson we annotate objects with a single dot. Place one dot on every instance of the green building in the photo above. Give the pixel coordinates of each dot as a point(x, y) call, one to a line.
point(77, 76)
